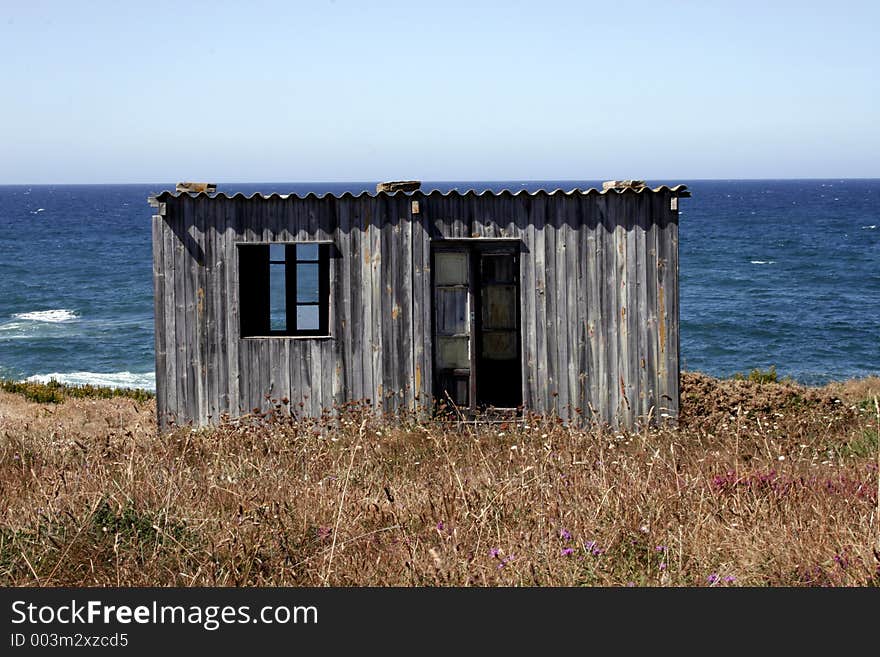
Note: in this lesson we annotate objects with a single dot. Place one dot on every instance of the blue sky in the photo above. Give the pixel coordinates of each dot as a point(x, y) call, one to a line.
point(106, 92)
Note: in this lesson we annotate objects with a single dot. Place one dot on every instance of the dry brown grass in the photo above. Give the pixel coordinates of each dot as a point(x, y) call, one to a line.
point(769, 484)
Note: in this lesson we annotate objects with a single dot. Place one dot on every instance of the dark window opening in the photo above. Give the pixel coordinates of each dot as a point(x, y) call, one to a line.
point(284, 289)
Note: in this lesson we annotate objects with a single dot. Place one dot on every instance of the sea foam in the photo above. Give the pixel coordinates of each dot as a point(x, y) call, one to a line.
point(144, 381)
point(52, 316)
point(763, 262)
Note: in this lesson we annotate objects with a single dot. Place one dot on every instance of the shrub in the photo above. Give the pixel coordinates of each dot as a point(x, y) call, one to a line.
point(759, 376)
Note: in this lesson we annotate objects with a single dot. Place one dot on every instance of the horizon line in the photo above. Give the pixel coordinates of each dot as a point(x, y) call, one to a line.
point(428, 180)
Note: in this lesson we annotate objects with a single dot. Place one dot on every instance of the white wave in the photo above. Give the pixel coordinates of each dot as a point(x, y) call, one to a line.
point(53, 316)
point(763, 262)
point(145, 381)
point(11, 326)
point(38, 210)
point(871, 227)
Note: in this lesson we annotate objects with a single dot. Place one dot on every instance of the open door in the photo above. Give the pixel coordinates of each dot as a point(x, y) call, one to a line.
point(477, 344)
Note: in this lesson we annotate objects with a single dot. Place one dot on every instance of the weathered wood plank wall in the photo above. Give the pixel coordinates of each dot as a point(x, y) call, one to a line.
point(599, 301)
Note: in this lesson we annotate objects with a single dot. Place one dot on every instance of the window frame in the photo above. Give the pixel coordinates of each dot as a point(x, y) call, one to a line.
point(258, 274)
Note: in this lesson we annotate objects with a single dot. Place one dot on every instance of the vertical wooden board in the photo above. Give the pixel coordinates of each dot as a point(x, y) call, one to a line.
point(187, 318)
point(218, 296)
point(316, 357)
point(596, 305)
point(624, 407)
point(298, 224)
point(280, 217)
point(376, 346)
point(358, 266)
point(159, 328)
point(542, 374)
point(328, 219)
point(244, 404)
point(455, 221)
point(169, 258)
point(329, 364)
point(620, 325)
point(432, 215)
point(579, 265)
point(462, 208)
point(210, 283)
point(201, 328)
point(633, 319)
point(174, 310)
point(368, 375)
point(592, 274)
point(667, 364)
point(610, 309)
point(674, 350)
point(554, 327)
point(305, 375)
point(489, 211)
point(294, 376)
point(641, 303)
point(231, 237)
point(528, 286)
point(425, 301)
point(387, 324)
point(280, 368)
point(565, 314)
point(272, 386)
point(475, 218)
point(404, 304)
point(416, 301)
point(575, 307)
point(662, 323)
point(341, 312)
point(651, 344)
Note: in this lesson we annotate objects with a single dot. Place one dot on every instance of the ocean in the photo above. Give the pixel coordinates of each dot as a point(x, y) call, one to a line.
point(782, 273)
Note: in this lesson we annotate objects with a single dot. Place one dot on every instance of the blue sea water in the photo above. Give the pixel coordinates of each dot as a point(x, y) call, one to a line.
point(773, 272)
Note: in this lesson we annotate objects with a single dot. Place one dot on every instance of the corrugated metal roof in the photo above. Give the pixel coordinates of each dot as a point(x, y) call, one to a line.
point(679, 190)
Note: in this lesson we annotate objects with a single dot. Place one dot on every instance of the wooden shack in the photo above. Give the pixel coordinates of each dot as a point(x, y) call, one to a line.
point(556, 302)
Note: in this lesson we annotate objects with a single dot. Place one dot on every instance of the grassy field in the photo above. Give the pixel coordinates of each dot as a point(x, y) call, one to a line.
point(762, 484)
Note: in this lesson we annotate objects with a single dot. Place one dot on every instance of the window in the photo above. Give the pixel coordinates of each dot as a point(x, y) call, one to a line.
point(284, 289)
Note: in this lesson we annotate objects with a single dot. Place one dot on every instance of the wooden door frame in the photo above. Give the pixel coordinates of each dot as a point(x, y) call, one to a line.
point(472, 247)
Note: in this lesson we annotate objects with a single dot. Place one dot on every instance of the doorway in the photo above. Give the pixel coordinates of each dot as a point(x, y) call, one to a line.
point(477, 342)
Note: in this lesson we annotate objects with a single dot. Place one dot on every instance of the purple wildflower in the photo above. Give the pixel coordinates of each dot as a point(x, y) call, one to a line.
point(730, 579)
point(564, 534)
point(440, 526)
point(663, 566)
point(567, 552)
point(494, 552)
point(661, 548)
point(713, 578)
point(589, 545)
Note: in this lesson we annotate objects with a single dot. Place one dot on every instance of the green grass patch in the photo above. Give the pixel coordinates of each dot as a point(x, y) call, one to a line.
point(54, 392)
point(867, 444)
